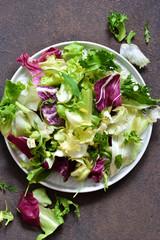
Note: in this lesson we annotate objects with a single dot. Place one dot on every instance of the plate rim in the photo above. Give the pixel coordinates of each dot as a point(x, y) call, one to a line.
point(122, 173)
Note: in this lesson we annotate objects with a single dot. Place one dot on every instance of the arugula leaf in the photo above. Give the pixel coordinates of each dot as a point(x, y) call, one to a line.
point(131, 137)
point(6, 215)
point(71, 83)
point(99, 59)
point(147, 32)
point(116, 21)
point(130, 36)
point(137, 92)
point(4, 187)
point(118, 161)
point(38, 174)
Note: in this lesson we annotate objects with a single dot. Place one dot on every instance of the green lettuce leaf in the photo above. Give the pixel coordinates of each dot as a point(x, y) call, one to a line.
point(7, 107)
point(50, 219)
point(52, 77)
point(41, 195)
point(11, 92)
point(127, 153)
point(7, 115)
point(5, 215)
point(72, 50)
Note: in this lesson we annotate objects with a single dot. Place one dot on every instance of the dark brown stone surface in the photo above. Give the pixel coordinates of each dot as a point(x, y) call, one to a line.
point(130, 209)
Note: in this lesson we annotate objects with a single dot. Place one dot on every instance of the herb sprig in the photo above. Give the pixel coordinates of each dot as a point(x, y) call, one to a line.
point(5, 187)
point(147, 32)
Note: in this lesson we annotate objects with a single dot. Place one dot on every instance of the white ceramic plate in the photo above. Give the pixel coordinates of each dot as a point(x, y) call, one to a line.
point(55, 181)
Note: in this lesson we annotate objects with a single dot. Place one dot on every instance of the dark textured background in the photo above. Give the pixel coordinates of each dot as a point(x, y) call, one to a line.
point(130, 209)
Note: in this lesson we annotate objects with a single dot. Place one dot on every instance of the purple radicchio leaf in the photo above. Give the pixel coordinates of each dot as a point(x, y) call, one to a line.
point(48, 108)
point(108, 92)
point(50, 51)
point(29, 208)
point(97, 171)
point(32, 65)
point(62, 165)
point(21, 144)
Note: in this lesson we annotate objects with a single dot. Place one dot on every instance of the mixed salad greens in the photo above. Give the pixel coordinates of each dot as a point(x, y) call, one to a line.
point(80, 114)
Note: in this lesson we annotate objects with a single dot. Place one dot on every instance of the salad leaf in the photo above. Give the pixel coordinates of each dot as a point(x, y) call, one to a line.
point(4, 186)
point(7, 115)
point(147, 32)
point(11, 92)
point(30, 99)
point(29, 209)
point(71, 83)
point(108, 92)
point(127, 152)
point(65, 203)
point(134, 55)
point(137, 92)
point(33, 117)
point(117, 123)
point(117, 26)
point(101, 59)
point(130, 36)
point(53, 63)
point(118, 161)
point(33, 65)
point(34, 210)
point(48, 105)
point(22, 125)
point(81, 171)
point(101, 146)
point(65, 93)
point(21, 144)
point(49, 52)
point(98, 170)
point(49, 221)
point(38, 174)
point(74, 69)
point(72, 50)
point(7, 107)
point(154, 115)
point(130, 137)
point(64, 166)
point(46, 92)
point(5, 215)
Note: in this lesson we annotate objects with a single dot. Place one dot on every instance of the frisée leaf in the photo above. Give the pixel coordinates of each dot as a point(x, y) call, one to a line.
point(117, 26)
point(101, 59)
point(137, 92)
point(130, 36)
point(5, 215)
